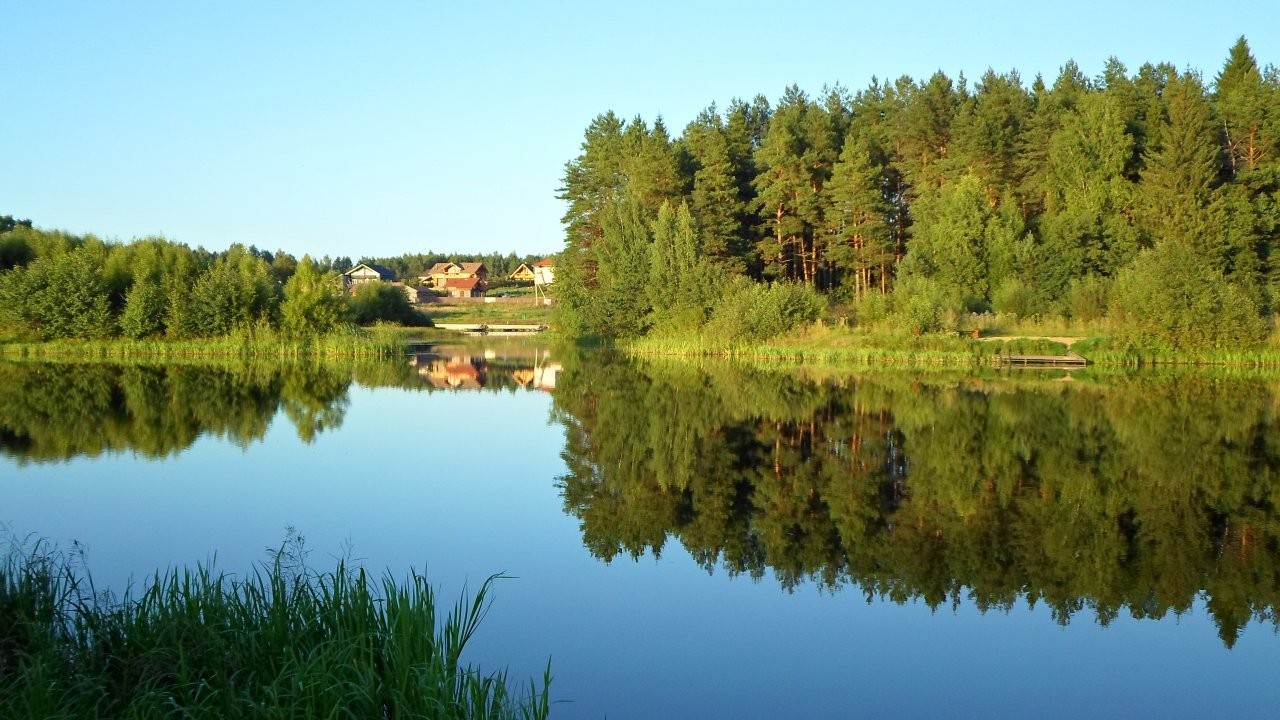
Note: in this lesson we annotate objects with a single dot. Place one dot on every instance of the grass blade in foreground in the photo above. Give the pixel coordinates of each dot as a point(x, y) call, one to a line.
point(281, 644)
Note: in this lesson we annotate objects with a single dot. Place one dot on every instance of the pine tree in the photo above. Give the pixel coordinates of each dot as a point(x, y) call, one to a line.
point(988, 132)
point(795, 161)
point(1248, 110)
point(715, 199)
point(1086, 228)
point(923, 129)
point(1181, 172)
point(855, 228)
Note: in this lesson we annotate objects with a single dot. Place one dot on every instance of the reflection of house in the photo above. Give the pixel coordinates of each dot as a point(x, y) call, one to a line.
point(506, 368)
point(450, 276)
point(544, 376)
point(367, 273)
point(454, 373)
point(544, 272)
point(524, 273)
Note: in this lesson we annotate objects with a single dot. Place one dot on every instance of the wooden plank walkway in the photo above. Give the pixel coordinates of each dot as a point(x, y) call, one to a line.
point(1068, 360)
point(483, 328)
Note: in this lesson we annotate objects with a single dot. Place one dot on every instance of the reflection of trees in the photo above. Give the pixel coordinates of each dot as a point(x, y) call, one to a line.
point(58, 411)
point(1137, 496)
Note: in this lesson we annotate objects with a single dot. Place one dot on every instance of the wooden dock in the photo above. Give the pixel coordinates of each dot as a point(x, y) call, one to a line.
point(1068, 360)
point(485, 329)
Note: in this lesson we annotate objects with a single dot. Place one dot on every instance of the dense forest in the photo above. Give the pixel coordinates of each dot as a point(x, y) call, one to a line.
point(1149, 199)
point(1138, 496)
point(58, 285)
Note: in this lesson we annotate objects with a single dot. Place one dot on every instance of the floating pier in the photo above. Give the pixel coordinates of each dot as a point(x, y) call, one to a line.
point(1068, 360)
point(485, 329)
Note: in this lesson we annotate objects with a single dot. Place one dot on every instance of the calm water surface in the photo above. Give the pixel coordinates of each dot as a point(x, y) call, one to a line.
point(711, 541)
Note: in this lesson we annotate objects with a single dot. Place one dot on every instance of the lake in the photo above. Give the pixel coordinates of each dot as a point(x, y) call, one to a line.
point(711, 540)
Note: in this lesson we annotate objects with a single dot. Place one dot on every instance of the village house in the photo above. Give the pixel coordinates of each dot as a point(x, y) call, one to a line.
point(458, 279)
point(464, 287)
point(524, 273)
point(366, 273)
point(544, 272)
point(440, 272)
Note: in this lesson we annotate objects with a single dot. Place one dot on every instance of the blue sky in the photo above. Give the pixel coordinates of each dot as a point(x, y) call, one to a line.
point(379, 128)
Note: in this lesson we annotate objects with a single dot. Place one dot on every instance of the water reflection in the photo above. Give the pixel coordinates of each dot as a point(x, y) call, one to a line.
point(1138, 495)
point(471, 368)
point(1125, 495)
point(52, 412)
point(57, 411)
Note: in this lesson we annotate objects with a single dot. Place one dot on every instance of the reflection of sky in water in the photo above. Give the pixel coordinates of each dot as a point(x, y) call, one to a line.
point(463, 485)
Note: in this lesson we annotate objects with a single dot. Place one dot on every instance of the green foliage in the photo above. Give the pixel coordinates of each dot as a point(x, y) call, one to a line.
point(1024, 199)
point(236, 291)
point(1013, 296)
point(60, 296)
point(286, 641)
point(1171, 298)
point(374, 302)
point(143, 310)
point(313, 302)
point(1088, 297)
point(949, 247)
point(924, 305)
point(750, 311)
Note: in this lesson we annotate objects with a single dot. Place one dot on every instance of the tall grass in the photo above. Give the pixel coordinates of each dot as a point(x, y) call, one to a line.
point(246, 343)
point(278, 644)
point(858, 346)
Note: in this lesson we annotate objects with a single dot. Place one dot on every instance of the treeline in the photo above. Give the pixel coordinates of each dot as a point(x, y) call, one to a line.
point(1141, 496)
point(56, 285)
point(1148, 198)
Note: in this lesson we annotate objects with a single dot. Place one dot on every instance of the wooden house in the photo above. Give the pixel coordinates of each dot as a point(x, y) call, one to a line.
point(524, 273)
point(367, 273)
point(464, 287)
point(441, 274)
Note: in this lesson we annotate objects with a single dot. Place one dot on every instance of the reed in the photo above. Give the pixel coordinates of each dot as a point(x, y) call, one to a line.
point(858, 347)
point(249, 343)
point(277, 644)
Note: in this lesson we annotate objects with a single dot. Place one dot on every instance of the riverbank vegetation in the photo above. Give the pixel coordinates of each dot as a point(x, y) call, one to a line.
point(1146, 202)
point(284, 642)
point(153, 295)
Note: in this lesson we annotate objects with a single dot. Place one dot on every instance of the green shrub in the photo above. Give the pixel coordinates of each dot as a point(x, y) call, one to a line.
point(750, 311)
point(376, 301)
point(1170, 298)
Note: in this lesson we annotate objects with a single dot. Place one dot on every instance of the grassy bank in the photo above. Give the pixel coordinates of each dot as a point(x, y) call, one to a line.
point(283, 643)
point(490, 313)
point(820, 344)
point(825, 345)
point(375, 341)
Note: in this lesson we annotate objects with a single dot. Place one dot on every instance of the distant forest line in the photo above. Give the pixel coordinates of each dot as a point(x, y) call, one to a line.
point(1150, 200)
